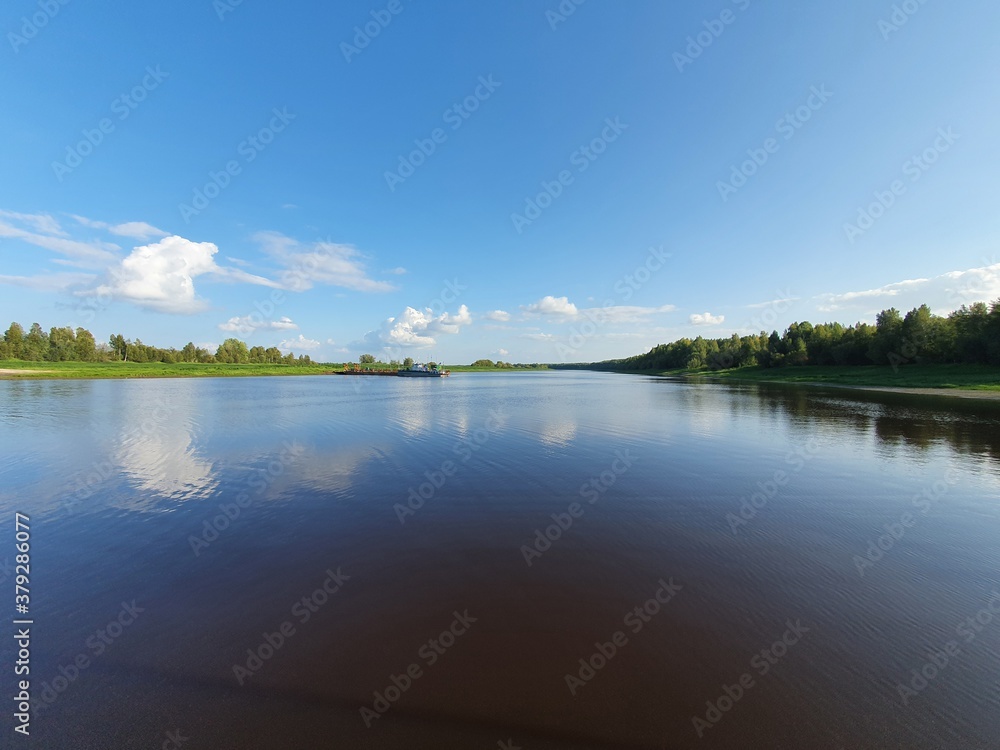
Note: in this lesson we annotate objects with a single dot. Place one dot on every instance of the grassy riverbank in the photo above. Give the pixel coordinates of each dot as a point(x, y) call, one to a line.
point(956, 376)
point(20, 370)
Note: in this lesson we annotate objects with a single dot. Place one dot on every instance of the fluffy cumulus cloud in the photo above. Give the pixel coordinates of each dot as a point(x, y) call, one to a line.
point(500, 316)
point(417, 329)
point(250, 323)
point(942, 293)
point(706, 319)
point(299, 343)
point(160, 276)
point(549, 305)
point(306, 265)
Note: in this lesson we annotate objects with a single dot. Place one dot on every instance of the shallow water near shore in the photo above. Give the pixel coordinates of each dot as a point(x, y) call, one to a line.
point(408, 563)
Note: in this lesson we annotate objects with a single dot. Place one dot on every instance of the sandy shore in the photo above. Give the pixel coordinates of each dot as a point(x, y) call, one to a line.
point(5, 371)
point(956, 392)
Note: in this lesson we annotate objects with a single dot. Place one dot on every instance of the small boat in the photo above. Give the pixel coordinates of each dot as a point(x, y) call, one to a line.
point(423, 371)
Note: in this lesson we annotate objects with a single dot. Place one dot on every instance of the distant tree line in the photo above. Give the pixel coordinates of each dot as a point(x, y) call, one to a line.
point(970, 334)
point(370, 359)
point(68, 345)
point(506, 365)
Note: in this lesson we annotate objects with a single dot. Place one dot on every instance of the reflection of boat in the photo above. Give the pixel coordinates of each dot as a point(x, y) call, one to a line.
point(423, 371)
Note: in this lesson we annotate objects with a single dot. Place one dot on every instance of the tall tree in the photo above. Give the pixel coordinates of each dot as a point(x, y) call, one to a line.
point(888, 337)
point(14, 338)
point(36, 344)
point(85, 346)
point(970, 332)
point(119, 346)
point(62, 344)
point(232, 351)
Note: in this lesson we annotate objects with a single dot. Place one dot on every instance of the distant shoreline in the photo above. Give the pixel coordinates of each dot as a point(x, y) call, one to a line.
point(13, 370)
point(958, 380)
point(990, 395)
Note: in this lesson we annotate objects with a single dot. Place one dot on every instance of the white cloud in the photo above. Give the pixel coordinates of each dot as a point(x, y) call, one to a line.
point(237, 275)
point(38, 222)
point(538, 336)
point(503, 352)
point(299, 343)
point(331, 342)
point(319, 263)
point(161, 276)
point(784, 299)
point(549, 305)
point(250, 323)
point(48, 282)
point(137, 230)
point(837, 301)
point(624, 313)
point(417, 329)
point(706, 319)
point(560, 309)
point(42, 230)
point(397, 271)
point(942, 293)
point(498, 315)
point(450, 323)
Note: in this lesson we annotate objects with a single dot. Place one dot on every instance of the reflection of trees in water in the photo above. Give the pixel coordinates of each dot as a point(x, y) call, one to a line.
point(63, 402)
point(895, 419)
point(966, 435)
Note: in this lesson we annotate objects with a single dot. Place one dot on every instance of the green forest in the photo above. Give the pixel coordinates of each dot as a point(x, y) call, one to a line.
point(68, 345)
point(969, 335)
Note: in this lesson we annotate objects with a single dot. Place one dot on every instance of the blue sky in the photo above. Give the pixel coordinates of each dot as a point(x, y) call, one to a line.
point(529, 181)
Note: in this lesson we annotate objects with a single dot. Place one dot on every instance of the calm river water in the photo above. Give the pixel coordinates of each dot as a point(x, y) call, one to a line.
point(533, 560)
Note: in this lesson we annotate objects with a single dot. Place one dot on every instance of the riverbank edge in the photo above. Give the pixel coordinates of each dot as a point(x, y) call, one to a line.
point(124, 371)
point(986, 391)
